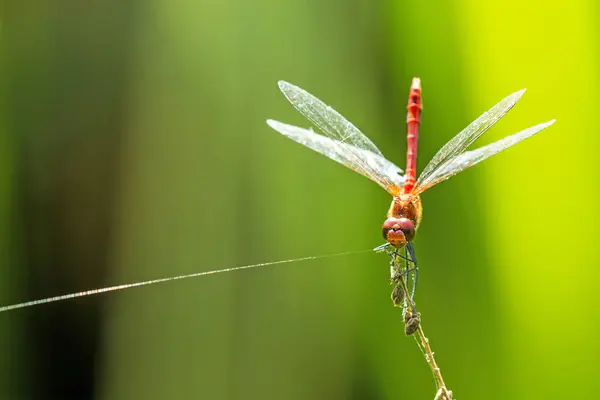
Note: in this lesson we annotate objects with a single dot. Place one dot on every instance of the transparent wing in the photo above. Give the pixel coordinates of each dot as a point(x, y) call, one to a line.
point(326, 118)
point(470, 158)
point(341, 131)
point(387, 174)
point(466, 137)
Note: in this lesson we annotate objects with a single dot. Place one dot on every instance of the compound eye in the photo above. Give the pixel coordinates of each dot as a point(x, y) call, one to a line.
point(407, 227)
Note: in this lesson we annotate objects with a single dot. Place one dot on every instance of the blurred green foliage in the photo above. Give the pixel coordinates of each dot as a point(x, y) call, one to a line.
point(133, 145)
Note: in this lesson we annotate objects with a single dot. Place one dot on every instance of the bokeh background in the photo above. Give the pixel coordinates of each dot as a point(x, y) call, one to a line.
point(133, 145)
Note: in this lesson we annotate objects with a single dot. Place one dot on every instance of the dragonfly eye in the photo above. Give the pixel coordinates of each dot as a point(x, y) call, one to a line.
point(398, 231)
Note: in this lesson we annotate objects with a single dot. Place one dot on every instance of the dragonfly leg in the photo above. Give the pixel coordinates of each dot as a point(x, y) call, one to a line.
point(415, 268)
point(382, 248)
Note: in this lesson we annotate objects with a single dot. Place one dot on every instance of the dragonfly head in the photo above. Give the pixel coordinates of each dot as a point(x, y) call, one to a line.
point(398, 231)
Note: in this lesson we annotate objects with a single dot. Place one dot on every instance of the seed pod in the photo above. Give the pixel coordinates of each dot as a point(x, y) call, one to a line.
point(412, 324)
point(398, 296)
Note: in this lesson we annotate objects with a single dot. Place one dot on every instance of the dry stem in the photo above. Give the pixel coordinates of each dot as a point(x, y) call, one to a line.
point(443, 393)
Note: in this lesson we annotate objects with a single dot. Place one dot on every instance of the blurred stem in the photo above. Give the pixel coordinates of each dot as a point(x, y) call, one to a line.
point(443, 393)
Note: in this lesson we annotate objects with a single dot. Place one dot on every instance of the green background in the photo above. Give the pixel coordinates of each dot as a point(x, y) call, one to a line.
point(133, 145)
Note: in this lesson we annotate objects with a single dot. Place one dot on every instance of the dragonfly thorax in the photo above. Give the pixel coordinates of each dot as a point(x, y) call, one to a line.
point(403, 220)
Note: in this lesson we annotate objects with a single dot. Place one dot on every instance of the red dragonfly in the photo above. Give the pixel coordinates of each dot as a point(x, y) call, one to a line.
point(343, 142)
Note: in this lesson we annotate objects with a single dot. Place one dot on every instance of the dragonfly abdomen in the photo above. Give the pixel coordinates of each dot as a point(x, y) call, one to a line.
point(413, 119)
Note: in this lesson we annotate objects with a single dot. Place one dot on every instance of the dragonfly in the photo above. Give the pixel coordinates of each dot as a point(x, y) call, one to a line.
point(343, 142)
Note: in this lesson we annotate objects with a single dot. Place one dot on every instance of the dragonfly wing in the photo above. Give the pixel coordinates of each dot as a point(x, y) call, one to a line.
point(467, 136)
point(470, 158)
point(332, 123)
point(373, 166)
point(341, 131)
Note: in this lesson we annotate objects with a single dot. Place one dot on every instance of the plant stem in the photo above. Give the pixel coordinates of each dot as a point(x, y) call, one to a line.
point(443, 393)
